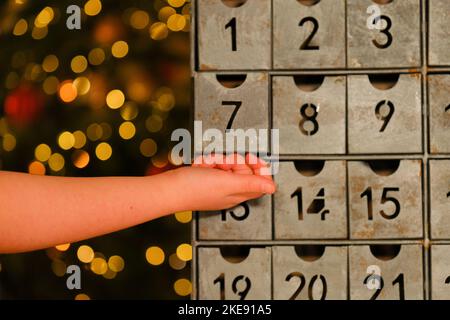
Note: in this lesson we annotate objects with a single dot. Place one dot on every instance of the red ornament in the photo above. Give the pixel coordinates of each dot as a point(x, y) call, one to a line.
point(24, 104)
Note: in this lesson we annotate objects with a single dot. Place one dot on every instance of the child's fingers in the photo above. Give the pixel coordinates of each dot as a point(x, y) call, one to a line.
point(252, 184)
point(258, 165)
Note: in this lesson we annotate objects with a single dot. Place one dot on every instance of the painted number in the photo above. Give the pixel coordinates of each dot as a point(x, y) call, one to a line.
point(309, 114)
point(317, 206)
point(382, 115)
point(232, 25)
point(400, 280)
point(234, 286)
point(237, 105)
point(306, 45)
point(311, 285)
point(234, 215)
point(384, 31)
point(384, 199)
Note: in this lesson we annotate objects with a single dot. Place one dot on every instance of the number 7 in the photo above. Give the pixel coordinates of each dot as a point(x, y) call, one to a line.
point(237, 105)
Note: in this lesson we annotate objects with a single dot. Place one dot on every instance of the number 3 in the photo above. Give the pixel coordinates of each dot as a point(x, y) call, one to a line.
point(384, 31)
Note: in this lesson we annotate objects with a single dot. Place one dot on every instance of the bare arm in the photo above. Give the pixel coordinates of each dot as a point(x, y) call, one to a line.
point(41, 211)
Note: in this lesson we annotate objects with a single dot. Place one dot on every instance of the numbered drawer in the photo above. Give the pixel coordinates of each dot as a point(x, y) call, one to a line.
point(309, 273)
point(309, 113)
point(440, 272)
point(438, 33)
point(439, 109)
point(439, 198)
point(234, 34)
point(385, 114)
point(385, 199)
point(252, 220)
point(234, 273)
point(306, 36)
point(384, 35)
point(311, 200)
point(386, 272)
point(236, 102)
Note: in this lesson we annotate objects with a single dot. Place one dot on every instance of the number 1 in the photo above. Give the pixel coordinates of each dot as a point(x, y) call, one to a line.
point(232, 24)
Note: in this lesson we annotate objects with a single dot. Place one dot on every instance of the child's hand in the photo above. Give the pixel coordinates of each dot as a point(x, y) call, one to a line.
point(216, 183)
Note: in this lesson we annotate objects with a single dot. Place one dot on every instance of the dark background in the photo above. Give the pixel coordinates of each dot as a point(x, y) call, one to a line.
point(154, 77)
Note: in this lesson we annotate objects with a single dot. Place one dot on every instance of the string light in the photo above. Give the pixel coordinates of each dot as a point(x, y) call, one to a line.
point(20, 28)
point(184, 252)
point(82, 296)
point(85, 254)
point(93, 7)
point(63, 247)
point(80, 159)
point(9, 142)
point(148, 147)
point(119, 49)
point(184, 216)
point(36, 168)
point(115, 99)
point(155, 256)
point(183, 287)
point(42, 152)
point(127, 130)
point(116, 263)
point(103, 151)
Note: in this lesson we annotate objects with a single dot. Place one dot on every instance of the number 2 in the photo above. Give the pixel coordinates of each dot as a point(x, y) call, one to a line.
point(306, 44)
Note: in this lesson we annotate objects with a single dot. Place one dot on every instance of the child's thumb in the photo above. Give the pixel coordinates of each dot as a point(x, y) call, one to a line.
point(255, 184)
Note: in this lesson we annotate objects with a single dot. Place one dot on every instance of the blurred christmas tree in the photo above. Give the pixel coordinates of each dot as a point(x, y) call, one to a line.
point(102, 100)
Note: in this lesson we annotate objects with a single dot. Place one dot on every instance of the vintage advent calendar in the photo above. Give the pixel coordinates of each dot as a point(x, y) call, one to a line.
point(360, 93)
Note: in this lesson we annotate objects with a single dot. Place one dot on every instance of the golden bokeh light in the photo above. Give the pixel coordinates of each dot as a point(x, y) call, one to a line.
point(42, 152)
point(183, 216)
point(67, 91)
point(63, 247)
point(44, 17)
point(176, 3)
point(59, 268)
point(176, 22)
point(96, 56)
point(148, 147)
point(155, 256)
point(184, 252)
point(139, 19)
point(82, 296)
point(56, 162)
point(39, 33)
point(129, 111)
point(50, 63)
point(106, 130)
point(80, 139)
point(175, 263)
point(93, 7)
point(80, 159)
point(119, 49)
point(82, 84)
point(165, 13)
point(159, 31)
point(183, 287)
point(9, 142)
point(66, 140)
point(94, 132)
point(154, 123)
point(50, 85)
point(103, 151)
point(78, 64)
point(20, 28)
point(99, 266)
point(36, 168)
point(115, 99)
point(127, 130)
point(116, 263)
point(85, 254)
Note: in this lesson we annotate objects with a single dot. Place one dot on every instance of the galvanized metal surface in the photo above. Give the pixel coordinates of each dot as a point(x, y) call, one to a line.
point(321, 277)
point(441, 67)
point(310, 206)
point(385, 206)
point(440, 273)
point(293, 25)
point(251, 274)
point(439, 199)
point(439, 33)
point(310, 121)
point(387, 277)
